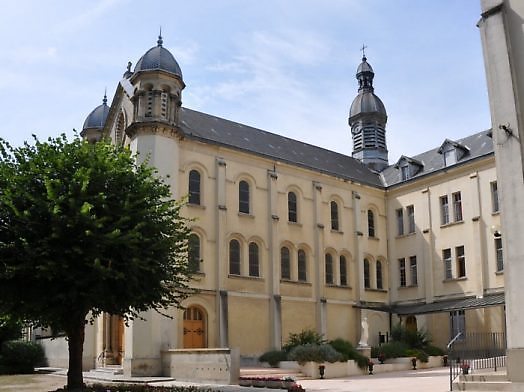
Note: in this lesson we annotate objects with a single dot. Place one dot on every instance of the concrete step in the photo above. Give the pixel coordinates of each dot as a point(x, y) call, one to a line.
point(482, 386)
point(272, 372)
point(109, 369)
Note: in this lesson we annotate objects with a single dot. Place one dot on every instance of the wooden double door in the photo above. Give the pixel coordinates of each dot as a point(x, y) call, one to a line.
point(194, 328)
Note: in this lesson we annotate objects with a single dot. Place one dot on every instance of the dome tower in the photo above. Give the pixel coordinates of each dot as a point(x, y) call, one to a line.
point(95, 121)
point(367, 119)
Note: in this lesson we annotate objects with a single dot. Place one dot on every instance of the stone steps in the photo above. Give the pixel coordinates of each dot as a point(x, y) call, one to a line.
point(482, 382)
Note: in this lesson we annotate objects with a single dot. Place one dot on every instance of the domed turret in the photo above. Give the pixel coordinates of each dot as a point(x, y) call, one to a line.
point(367, 119)
point(158, 58)
point(95, 121)
point(157, 87)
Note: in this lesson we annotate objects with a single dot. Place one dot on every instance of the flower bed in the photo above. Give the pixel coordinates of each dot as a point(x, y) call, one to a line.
point(287, 383)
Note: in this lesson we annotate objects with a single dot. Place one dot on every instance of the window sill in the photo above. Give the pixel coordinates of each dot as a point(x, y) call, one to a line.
point(375, 290)
point(199, 206)
point(501, 272)
point(462, 278)
point(298, 224)
point(451, 224)
point(405, 235)
point(337, 231)
point(234, 276)
point(495, 213)
point(337, 286)
point(246, 215)
point(373, 238)
point(300, 282)
point(413, 286)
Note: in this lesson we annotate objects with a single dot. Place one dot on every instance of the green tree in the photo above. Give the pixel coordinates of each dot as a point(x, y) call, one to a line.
point(85, 229)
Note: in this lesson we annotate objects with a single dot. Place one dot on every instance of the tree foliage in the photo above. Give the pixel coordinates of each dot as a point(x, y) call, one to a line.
point(85, 229)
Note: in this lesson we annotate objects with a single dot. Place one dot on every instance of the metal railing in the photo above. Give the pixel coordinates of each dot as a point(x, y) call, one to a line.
point(472, 351)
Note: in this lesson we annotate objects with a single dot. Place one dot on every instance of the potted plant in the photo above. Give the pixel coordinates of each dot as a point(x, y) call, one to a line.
point(287, 382)
point(465, 368)
point(321, 370)
point(445, 360)
point(296, 388)
point(414, 363)
point(381, 358)
point(370, 366)
point(245, 381)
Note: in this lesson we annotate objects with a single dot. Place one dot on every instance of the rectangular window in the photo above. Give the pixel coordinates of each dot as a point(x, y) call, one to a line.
point(400, 221)
point(450, 157)
point(444, 210)
point(411, 218)
point(461, 261)
point(446, 257)
point(402, 271)
point(457, 324)
point(343, 271)
point(457, 206)
point(494, 197)
point(404, 172)
point(499, 254)
point(413, 270)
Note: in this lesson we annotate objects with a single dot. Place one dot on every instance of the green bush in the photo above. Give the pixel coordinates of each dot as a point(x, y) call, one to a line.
point(306, 336)
point(18, 357)
point(273, 357)
point(10, 329)
point(421, 355)
point(433, 350)
point(391, 349)
point(348, 352)
point(413, 339)
point(314, 353)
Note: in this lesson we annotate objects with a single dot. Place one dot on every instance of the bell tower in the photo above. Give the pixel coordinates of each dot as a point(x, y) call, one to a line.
point(367, 119)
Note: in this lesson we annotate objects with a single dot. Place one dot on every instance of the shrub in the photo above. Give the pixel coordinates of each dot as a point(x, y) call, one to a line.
point(346, 349)
point(392, 349)
point(314, 353)
point(433, 350)
point(10, 329)
point(413, 339)
point(273, 357)
point(21, 357)
point(421, 355)
point(306, 336)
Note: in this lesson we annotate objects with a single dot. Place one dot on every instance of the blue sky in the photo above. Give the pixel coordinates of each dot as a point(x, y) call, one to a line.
point(285, 66)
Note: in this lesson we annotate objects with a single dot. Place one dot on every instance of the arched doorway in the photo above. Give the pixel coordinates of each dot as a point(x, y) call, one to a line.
point(194, 328)
point(411, 323)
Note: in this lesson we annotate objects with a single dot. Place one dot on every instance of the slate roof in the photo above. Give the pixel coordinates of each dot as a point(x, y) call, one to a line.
point(437, 306)
point(478, 145)
point(216, 130)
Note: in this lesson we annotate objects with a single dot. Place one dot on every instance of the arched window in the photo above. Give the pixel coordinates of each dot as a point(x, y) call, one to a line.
point(254, 265)
point(292, 207)
point(243, 197)
point(302, 266)
point(343, 271)
point(329, 269)
point(379, 275)
point(234, 257)
point(194, 252)
point(371, 224)
point(194, 187)
point(285, 264)
point(334, 216)
point(366, 274)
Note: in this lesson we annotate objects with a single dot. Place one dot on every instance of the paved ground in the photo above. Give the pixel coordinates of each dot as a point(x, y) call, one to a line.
point(430, 380)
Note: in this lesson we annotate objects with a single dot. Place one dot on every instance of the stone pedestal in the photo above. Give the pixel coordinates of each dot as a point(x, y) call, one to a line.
point(365, 350)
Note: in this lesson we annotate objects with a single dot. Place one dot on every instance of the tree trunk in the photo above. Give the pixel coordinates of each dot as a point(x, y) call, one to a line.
point(75, 335)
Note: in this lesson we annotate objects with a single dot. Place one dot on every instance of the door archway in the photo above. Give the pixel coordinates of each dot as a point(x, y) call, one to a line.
point(411, 323)
point(194, 328)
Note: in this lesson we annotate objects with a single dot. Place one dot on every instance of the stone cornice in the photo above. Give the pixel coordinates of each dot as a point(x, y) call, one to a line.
point(154, 128)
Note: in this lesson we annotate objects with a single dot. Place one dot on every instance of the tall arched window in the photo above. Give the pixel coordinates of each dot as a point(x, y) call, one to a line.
point(302, 266)
point(194, 187)
point(254, 264)
point(285, 263)
point(243, 197)
point(343, 271)
point(329, 269)
point(334, 216)
point(292, 207)
point(379, 275)
point(234, 257)
point(194, 252)
point(371, 223)
point(366, 274)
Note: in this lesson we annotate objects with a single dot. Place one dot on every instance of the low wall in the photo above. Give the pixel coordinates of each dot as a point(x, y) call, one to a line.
point(57, 353)
point(216, 365)
point(350, 368)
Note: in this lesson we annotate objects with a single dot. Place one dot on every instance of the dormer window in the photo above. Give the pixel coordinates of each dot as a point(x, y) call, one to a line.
point(408, 167)
point(452, 152)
